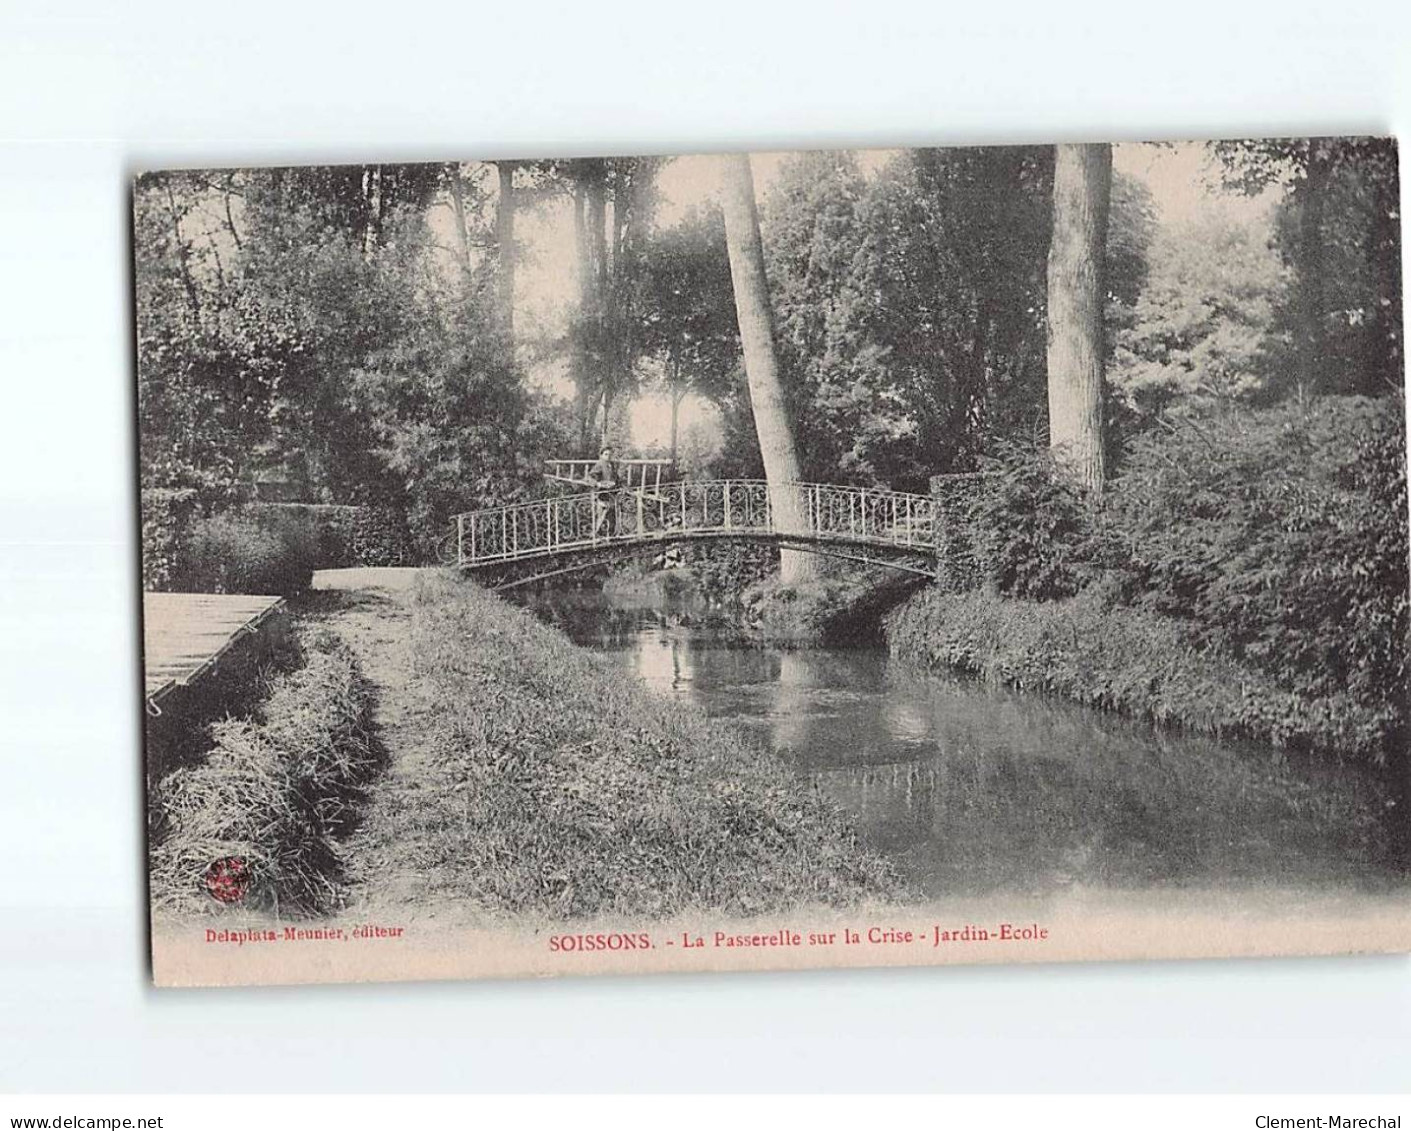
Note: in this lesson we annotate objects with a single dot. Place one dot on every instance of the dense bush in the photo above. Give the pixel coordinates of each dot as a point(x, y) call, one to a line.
point(1030, 532)
point(346, 535)
point(261, 547)
point(1279, 538)
point(275, 792)
point(167, 514)
point(1274, 540)
point(378, 536)
point(800, 612)
point(249, 551)
point(843, 605)
point(724, 570)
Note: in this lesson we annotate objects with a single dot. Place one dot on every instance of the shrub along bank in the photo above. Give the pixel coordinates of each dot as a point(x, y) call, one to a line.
point(248, 552)
point(843, 606)
point(1246, 573)
point(264, 548)
point(545, 782)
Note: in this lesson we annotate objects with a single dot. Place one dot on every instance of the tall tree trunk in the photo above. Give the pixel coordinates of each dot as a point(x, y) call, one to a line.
point(1082, 187)
point(597, 366)
point(504, 242)
point(1312, 302)
point(617, 321)
point(771, 417)
point(581, 361)
point(597, 231)
point(453, 173)
point(602, 325)
point(677, 392)
point(580, 244)
point(372, 205)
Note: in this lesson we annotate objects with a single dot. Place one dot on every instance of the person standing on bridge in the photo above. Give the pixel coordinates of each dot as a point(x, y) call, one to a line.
point(604, 477)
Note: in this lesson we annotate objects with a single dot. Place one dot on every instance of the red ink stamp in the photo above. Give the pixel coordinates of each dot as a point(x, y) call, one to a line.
point(228, 878)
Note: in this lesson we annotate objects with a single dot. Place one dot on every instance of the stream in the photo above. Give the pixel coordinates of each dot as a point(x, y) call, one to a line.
point(972, 789)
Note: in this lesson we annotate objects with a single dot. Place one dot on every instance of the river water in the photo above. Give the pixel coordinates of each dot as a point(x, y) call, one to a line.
point(971, 789)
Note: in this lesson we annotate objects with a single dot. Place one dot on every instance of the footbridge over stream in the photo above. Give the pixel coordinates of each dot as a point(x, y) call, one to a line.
point(876, 526)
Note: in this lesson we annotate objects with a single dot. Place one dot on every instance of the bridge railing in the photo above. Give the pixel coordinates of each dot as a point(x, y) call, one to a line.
point(685, 509)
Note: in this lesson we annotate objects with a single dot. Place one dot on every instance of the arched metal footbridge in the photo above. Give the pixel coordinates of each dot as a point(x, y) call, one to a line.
point(879, 527)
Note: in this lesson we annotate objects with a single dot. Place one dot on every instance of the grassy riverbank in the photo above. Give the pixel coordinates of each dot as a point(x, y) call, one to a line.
point(528, 777)
point(1122, 660)
point(273, 794)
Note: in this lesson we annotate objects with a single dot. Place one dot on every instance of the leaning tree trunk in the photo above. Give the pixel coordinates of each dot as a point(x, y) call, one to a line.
point(771, 417)
point(1082, 187)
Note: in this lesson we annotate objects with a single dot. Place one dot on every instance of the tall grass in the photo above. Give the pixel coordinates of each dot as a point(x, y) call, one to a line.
point(1132, 662)
point(249, 551)
point(275, 792)
point(545, 782)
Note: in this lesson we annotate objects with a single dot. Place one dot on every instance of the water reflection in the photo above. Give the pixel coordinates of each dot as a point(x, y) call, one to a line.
point(972, 789)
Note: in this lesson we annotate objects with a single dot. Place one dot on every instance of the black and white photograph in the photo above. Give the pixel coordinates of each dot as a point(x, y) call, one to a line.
point(788, 559)
point(708, 566)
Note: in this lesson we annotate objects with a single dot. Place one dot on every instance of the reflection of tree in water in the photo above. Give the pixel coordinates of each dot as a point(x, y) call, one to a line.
point(974, 789)
point(997, 821)
point(661, 660)
point(793, 715)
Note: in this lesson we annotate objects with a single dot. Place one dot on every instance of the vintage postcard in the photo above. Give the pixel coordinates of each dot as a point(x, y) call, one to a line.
point(774, 561)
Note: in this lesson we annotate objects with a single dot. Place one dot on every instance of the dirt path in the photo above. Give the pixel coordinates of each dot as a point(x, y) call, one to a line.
point(370, 611)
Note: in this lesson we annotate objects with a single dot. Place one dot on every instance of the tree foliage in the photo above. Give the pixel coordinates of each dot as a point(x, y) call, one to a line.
point(910, 304)
point(1280, 539)
point(1273, 539)
point(297, 325)
point(613, 201)
point(1338, 230)
point(1201, 331)
point(689, 326)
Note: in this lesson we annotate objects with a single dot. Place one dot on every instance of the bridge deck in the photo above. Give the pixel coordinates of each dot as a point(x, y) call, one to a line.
point(185, 634)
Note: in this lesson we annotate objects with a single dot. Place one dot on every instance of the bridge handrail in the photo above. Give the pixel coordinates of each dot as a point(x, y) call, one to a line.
point(686, 508)
point(760, 483)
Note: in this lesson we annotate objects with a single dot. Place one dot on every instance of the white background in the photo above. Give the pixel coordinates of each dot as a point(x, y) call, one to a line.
point(91, 93)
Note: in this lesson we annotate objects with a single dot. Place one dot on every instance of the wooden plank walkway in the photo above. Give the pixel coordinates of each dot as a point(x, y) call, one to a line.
point(185, 634)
